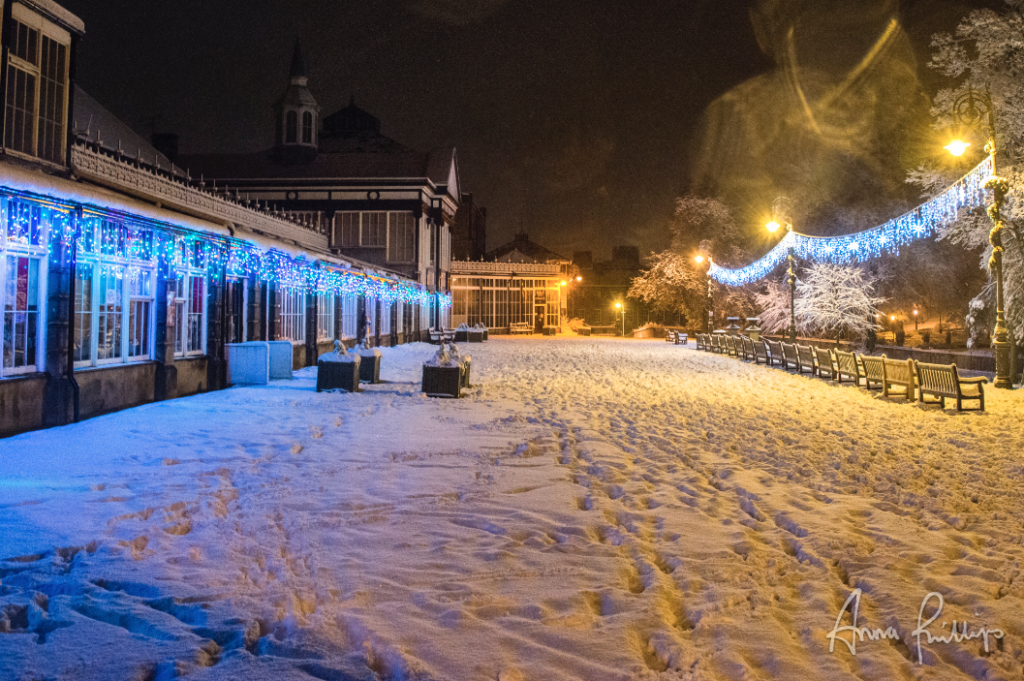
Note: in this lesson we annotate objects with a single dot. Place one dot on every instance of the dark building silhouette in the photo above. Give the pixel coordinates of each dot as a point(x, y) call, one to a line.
point(469, 231)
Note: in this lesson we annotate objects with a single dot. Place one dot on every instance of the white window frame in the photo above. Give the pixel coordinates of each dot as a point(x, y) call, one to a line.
point(23, 15)
point(6, 254)
point(370, 308)
point(291, 314)
point(188, 267)
point(244, 317)
point(325, 316)
point(401, 238)
point(349, 322)
point(385, 318)
point(123, 268)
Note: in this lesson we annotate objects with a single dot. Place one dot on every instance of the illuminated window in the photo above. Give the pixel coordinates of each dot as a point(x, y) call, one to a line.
point(325, 316)
point(291, 314)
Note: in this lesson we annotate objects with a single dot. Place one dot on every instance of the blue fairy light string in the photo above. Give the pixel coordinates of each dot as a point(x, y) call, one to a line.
point(967, 192)
point(35, 221)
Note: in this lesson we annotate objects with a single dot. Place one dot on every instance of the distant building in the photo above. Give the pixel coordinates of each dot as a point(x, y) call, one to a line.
point(469, 231)
point(372, 197)
point(520, 282)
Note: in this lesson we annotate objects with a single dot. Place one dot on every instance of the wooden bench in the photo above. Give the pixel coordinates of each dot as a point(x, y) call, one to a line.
point(874, 371)
point(942, 381)
point(790, 359)
point(901, 373)
point(681, 338)
point(805, 359)
point(826, 363)
point(700, 341)
point(760, 352)
point(746, 348)
point(848, 366)
point(670, 336)
point(775, 355)
point(520, 327)
point(716, 343)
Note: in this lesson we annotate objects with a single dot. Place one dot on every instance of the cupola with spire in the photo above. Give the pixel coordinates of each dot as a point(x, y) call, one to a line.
point(297, 116)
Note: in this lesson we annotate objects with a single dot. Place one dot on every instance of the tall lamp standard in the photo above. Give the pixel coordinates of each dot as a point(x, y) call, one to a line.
point(708, 299)
point(618, 306)
point(973, 109)
point(773, 227)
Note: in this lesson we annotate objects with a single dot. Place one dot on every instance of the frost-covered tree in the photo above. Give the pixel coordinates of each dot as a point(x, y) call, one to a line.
point(831, 300)
point(674, 282)
point(986, 52)
point(836, 300)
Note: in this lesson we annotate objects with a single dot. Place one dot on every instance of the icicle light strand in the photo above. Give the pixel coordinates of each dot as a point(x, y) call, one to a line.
point(967, 192)
point(29, 220)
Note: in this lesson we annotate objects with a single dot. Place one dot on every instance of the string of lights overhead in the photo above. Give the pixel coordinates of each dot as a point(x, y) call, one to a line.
point(967, 192)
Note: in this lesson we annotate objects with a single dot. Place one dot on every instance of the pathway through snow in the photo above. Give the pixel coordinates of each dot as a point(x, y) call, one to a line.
point(594, 509)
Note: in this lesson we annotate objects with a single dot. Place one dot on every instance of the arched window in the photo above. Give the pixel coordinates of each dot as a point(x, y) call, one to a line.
point(291, 127)
point(307, 128)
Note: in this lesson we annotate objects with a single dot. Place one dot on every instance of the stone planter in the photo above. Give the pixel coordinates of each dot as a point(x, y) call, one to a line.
point(443, 381)
point(338, 376)
point(369, 369)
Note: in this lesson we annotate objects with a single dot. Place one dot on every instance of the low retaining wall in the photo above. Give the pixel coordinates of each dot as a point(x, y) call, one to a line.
point(968, 361)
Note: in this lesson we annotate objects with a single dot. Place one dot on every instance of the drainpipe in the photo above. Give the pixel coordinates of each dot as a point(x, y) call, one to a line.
point(71, 322)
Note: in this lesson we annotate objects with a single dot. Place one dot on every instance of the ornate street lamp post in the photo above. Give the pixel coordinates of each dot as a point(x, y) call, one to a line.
point(708, 300)
point(973, 109)
point(773, 227)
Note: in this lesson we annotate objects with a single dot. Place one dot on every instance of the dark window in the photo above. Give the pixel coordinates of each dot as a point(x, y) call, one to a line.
point(291, 125)
point(307, 128)
point(36, 94)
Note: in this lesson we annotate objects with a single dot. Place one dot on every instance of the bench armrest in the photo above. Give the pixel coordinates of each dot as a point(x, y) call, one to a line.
point(976, 379)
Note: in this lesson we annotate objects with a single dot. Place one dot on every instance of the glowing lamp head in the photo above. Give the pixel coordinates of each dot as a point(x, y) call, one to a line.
point(579, 278)
point(957, 147)
point(618, 305)
point(772, 226)
point(915, 312)
point(563, 283)
point(892, 318)
point(699, 259)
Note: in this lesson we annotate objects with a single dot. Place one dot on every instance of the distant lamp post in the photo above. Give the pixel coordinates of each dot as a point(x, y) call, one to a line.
point(618, 306)
point(915, 319)
point(973, 109)
point(773, 227)
point(708, 299)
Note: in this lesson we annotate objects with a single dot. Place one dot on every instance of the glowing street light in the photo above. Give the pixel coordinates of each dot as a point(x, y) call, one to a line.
point(699, 259)
point(578, 278)
point(973, 110)
point(915, 319)
point(957, 147)
point(773, 227)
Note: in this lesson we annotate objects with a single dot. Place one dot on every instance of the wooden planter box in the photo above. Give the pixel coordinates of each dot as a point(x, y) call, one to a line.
point(583, 331)
point(549, 330)
point(486, 334)
point(461, 336)
point(337, 376)
point(442, 381)
point(476, 336)
point(369, 369)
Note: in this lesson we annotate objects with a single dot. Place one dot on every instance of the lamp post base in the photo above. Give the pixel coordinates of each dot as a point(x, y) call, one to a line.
point(1003, 378)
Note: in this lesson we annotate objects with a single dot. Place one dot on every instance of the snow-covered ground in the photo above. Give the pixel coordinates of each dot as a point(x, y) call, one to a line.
point(593, 509)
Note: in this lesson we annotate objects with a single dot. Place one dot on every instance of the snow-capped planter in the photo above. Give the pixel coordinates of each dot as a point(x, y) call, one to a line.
point(549, 330)
point(583, 331)
point(475, 336)
point(369, 368)
point(446, 373)
point(483, 330)
point(338, 370)
point(462, 333)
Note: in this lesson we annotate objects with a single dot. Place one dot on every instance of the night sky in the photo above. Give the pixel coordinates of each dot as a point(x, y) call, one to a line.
point(580, 120)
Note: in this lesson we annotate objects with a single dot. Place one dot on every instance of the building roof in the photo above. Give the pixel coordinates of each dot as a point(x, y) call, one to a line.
point(96, 124)
point(524, 250)
point(382, 164)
